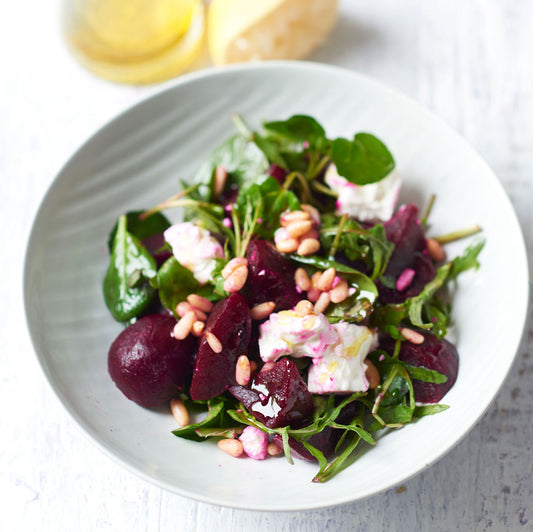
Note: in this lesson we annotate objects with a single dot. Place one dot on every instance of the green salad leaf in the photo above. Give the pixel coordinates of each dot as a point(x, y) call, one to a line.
point(363, 160)
point(127, 292)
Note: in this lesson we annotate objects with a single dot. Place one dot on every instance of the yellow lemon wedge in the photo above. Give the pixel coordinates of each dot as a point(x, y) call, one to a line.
point(252, 30)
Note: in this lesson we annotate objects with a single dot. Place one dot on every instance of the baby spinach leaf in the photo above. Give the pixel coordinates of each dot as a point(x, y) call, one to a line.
point(175, 283)
point(126, 290)
point(363, 160)
point(141, 228)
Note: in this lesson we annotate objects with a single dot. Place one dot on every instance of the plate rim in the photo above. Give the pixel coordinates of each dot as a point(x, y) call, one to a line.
point(194, 77)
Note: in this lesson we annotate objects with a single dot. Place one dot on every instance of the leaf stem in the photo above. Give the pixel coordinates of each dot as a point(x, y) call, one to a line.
point(429, 207)
point(323, 189)
point(241, 126)
point(334, 245)
point(169, 202)
point(458, 235)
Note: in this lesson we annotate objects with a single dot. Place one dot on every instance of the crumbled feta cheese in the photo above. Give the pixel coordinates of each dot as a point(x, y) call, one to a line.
point(286, 333)
point(375, 201)
point(254, 443)
point(342, 367)
point(195, 248)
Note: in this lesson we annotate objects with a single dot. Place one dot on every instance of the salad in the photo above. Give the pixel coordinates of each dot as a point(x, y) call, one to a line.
point(295, 305)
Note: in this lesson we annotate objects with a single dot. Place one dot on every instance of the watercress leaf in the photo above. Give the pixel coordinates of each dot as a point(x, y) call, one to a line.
point(424, 374)
point(428, 410)
point(396, 392)
point(337, 465)
point(468, 259)
point(396, 415)
point(243, 160)
point(175, 283)
point(216, 418)
point(363, 160)
point(298, 128)
point(141, 228)
point(124, 298)
point(415, 304)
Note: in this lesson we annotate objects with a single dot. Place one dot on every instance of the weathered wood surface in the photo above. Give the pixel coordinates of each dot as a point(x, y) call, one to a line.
point(471, 63)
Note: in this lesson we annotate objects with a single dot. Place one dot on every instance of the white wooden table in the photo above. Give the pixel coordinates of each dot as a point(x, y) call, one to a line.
point(470, 62)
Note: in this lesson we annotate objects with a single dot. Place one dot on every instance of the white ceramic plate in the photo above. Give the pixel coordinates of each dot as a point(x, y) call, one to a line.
point(135, 161)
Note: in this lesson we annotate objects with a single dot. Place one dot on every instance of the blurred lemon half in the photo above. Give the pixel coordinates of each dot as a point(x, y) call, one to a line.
point(248, 30)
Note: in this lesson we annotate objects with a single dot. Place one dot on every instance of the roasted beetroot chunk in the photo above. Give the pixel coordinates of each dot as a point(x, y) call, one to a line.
point(270, 277)
point(231, 323)
point(410, 251)
point(424, 272)
point(435, 354)
point(277, 397)
point(148, 364)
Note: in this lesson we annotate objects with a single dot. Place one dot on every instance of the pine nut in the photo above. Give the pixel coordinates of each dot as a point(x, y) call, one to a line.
point(303, 308)
point(299, 227)
point(179, 411)
point(289, 245)
point(326, 280)
point(200, 302)
point(312, 233)
point(340, 292)
point(322, 302)
point(315, 277)
point(232, 447)
point(232, 265)
point(308, 247)
point(243, 370)
point(263, 310)
point(293, 216)
point(273, 449)
point(413, 336)
point(184, 307)
point(313, 294)
point(198, 328)
point(435, 250)
point(313, 212)
point(221, 175)
point(184, 325)
point(213, 341)
point(302, 280)
point(236, 280)
point(372, 375)
point(404, 280)
point(267, 366)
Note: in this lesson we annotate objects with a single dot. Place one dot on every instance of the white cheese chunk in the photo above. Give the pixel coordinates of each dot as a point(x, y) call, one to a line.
point(286, 333)
point(195, 248)
point(372, 202)
point(342, 367)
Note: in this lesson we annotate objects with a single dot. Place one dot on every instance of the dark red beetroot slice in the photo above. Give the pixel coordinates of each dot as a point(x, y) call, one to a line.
point(148, 364)
point(406, 233)
point(231, 323)
point(277, 397)
point(439, 355)
point(424, 272)
point(270, 277)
